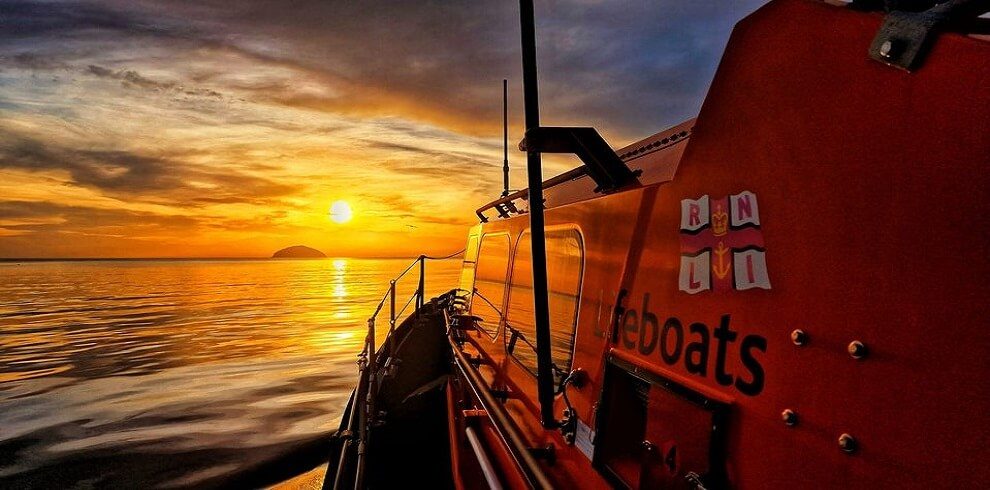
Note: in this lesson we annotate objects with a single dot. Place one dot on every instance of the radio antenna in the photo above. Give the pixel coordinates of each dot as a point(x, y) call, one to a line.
point(505, 137)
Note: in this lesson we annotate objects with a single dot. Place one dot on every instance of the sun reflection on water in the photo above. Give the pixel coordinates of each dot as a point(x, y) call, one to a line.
point(150, 349)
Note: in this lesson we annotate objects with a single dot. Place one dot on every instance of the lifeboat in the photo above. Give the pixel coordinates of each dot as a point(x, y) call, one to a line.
point(788, 291)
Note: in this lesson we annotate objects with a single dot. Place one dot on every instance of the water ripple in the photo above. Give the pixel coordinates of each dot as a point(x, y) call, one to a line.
point(178, 373)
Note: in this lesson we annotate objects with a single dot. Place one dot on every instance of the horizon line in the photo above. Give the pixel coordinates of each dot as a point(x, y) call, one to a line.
point(92, 259)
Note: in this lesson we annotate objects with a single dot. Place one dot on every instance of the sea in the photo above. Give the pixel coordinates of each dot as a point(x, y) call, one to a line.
point(183, 373)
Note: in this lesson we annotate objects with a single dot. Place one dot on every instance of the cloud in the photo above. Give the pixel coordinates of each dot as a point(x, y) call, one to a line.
point(108, 170)
point(30, 61)
point(627, 67)
point(48, 229)
point(247, 121)
point(54, 218)
point(130, 78)
point(136, 176)
point(133, 79)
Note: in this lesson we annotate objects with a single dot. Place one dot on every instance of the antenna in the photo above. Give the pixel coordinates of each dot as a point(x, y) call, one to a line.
point(505, 137)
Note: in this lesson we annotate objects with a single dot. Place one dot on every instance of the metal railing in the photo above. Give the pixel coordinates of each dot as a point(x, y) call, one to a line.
point(419, 295)
point(363, 414)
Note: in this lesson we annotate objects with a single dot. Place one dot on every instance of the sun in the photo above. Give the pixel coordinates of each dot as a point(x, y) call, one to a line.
point(340, 212)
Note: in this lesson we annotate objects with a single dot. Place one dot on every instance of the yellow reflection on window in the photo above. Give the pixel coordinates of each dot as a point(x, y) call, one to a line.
point(565, 264)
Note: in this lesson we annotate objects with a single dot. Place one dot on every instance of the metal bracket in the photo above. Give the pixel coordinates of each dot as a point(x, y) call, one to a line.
point(695, 479)
point(568, 426)
point(547, 453)
point(500, 395)
point(605, 167)
point(905, 36)
point(476, 361)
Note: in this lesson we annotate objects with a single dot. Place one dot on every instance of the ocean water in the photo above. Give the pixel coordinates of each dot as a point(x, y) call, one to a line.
point(170, 374)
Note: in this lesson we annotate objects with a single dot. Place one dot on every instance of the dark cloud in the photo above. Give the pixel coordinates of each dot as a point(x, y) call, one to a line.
point(52, 217)
point(460, 157)
point(137, 176)
point(628, 67)
point(108, 170)
point(31, 61)
point(47, 229)
point(25, 19)
point(133, 79)
point(130, 78)
point(384, 145)
point(48, 217)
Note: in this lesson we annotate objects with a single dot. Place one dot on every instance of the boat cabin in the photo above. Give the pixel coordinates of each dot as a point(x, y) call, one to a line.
point(787, 291)
point(781, 296)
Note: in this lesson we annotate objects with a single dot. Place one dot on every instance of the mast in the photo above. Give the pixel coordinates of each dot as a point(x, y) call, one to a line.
point(534, 174)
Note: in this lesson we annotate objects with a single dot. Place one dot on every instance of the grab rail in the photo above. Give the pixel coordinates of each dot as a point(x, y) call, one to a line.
point(364, 400)
point(501, 421)
point(486, 464)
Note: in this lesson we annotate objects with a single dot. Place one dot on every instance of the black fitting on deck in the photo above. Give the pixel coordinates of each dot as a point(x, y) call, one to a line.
point(910, 28)
point(601, 162)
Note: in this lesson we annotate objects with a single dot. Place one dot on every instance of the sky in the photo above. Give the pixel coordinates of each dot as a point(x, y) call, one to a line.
point(208, 128)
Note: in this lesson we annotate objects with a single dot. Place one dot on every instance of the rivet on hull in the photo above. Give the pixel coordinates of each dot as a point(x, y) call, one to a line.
point(847, 443)
point(857, 349)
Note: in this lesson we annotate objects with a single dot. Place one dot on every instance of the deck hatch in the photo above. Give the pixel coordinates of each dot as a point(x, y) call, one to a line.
point(654, 432)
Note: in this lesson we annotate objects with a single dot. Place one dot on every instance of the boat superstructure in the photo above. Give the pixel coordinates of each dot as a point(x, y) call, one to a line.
point(788, 291)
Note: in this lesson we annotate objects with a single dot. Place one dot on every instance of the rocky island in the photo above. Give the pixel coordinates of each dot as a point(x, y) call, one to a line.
point(298, 252)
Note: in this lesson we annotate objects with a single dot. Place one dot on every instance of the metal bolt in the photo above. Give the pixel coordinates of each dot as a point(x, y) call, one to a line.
point(847, 443)
point(886, 48)
point(857, 349)
point(891, 49)
point(789, 417)
point(648, 446)
point(799, 337)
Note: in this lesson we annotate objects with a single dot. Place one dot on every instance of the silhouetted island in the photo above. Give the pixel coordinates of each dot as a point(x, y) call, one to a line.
point(298, 252)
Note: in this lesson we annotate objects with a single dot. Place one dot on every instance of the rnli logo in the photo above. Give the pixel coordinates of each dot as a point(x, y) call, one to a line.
point(722, 245)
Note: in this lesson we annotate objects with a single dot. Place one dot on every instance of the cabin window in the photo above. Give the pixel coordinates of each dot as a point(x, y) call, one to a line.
point(468, 267)
point(565, 264)
point(489, 281)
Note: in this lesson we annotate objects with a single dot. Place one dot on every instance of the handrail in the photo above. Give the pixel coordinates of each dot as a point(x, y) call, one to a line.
point(445, 257)
point(486, 464)
point(364, 399)
point(408, 302)
point(504, 426)
point(504, 206)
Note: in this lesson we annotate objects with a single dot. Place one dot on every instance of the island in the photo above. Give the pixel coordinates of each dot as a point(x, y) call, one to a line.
point(298, 252)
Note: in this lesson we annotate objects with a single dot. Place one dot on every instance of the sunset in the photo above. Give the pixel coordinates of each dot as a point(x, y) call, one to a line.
point(487, 245)
point(193, 129)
